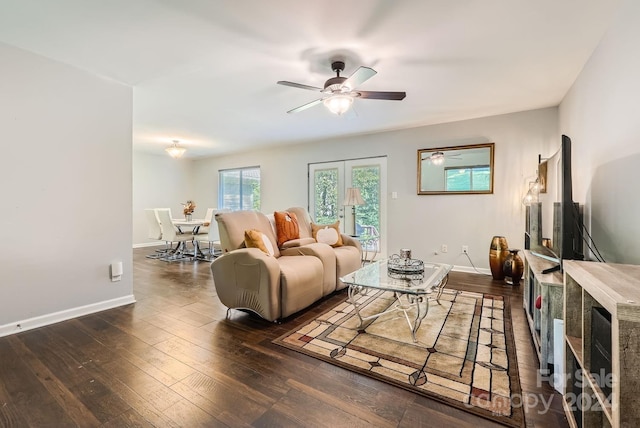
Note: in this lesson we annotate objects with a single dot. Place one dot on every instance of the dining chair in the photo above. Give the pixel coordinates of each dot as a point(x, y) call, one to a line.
point(154, 232)
point(170, 235)
point(167, 209)
point(212, 235)
point(153, 224)
point(208, 218)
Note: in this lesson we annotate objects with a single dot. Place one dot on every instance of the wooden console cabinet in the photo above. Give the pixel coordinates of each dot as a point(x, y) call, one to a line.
point(613, 288)
point(550, 287)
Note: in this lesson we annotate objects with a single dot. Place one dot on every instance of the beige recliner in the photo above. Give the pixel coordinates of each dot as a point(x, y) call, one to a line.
point(273, 287)
point(348, 256)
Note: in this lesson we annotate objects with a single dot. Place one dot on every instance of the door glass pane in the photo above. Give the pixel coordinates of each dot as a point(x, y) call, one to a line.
point(367, 179)
point(326, 196)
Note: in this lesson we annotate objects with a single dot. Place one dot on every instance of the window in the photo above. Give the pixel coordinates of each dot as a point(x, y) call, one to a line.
point(239, 189)
point(464, 178)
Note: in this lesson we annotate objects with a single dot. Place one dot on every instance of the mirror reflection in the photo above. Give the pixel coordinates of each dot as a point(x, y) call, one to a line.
point(456, 170)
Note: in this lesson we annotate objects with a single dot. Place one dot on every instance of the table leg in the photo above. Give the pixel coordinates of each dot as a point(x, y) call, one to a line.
point(399, 304)
point(353, 292)
point(419, 316)
point(172, 252)
point(441, 286)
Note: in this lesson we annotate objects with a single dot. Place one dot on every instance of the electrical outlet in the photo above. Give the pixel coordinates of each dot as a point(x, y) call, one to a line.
point(444, 248)
point(465, 249)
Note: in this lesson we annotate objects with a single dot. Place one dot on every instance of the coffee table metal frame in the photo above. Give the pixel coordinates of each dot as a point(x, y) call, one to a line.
point(409, 289)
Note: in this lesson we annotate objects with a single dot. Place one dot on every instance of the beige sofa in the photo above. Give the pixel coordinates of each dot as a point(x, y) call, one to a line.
point(348, 256)
point(277, 286)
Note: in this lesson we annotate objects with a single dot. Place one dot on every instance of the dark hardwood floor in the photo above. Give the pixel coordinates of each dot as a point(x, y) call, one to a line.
point(172, 359)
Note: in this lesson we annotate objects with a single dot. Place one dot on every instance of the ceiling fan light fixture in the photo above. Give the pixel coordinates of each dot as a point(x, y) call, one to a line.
point(339, 91)
point(338, 103)
point(437, 158)
point(175, 151)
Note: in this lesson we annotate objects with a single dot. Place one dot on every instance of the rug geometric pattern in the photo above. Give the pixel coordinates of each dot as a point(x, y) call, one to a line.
point(464, 355)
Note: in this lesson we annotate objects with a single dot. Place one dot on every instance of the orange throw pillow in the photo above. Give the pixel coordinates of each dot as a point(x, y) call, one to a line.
point(327, 233)
point(256, 239)
point(287, 227)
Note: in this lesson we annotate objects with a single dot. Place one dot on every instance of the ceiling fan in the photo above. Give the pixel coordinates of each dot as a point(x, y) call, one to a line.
point(339, 92)
point(438, 157)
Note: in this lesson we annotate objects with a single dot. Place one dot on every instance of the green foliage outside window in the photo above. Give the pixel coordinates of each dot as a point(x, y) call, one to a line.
point(367, 179)
point(326, 194)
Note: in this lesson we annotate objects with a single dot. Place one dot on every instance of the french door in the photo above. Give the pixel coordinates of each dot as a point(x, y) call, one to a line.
point(328, 184)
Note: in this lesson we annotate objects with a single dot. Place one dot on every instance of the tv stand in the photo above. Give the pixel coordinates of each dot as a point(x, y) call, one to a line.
point(556, 268)
point(549, 286)
point(615, 289)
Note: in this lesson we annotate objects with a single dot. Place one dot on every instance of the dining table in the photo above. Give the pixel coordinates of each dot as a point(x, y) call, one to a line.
point(194, 224)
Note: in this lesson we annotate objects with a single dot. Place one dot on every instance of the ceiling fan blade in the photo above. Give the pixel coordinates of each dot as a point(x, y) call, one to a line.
point(298, 85)
point(377, 95)
point(305, 106)
point(359, 76)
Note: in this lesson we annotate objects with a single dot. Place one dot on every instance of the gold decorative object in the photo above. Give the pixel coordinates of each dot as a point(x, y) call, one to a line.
point(498, 252)
point(188, 208)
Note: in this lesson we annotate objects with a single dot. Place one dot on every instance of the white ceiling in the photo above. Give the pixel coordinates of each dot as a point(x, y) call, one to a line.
point(205, 71)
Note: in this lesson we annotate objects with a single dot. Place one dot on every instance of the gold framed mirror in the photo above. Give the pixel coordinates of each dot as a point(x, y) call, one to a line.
point(456, 170)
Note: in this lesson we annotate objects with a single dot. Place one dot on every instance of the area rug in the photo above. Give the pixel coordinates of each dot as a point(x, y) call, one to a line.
point(464, 355)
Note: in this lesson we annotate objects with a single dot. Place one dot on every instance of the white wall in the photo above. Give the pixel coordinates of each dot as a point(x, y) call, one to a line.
point(422, 223)
point(66, 191)
point(160, 181)
point(600, 114)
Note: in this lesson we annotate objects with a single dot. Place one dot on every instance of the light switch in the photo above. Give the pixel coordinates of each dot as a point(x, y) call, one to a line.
point(394, 195)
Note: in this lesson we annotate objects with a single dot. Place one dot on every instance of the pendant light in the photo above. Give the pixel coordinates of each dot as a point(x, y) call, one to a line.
point(175, 151)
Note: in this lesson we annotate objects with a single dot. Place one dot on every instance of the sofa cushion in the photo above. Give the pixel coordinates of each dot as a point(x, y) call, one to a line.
point(297, 243)
point(286, 226)
point(256, 239)
point(300, 282)
point(327, 233)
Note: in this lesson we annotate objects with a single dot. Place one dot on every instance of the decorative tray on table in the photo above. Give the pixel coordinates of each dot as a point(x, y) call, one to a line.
point(405, 266)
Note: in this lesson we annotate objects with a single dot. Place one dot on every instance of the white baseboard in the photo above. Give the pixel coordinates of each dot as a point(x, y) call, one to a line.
point(470, 269)
point(149, 244)
point(41, 321)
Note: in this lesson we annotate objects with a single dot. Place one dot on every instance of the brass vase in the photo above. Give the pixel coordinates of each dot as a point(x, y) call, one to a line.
point(513, 268)
point(498, 252)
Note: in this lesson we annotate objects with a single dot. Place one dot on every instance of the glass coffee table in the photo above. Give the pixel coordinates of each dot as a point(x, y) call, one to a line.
point(411, 288)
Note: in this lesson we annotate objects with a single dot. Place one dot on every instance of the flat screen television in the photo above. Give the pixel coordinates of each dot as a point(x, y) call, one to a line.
point(561, 220)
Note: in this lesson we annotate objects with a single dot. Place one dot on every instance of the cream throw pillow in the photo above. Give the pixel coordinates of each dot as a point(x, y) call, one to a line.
point(327, 233)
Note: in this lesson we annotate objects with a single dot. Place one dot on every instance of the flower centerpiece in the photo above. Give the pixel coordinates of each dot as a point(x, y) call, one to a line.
point(188, 209)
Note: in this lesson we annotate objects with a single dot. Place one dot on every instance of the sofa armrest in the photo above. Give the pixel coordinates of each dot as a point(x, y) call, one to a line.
point(351, 241)
point(248, 278)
